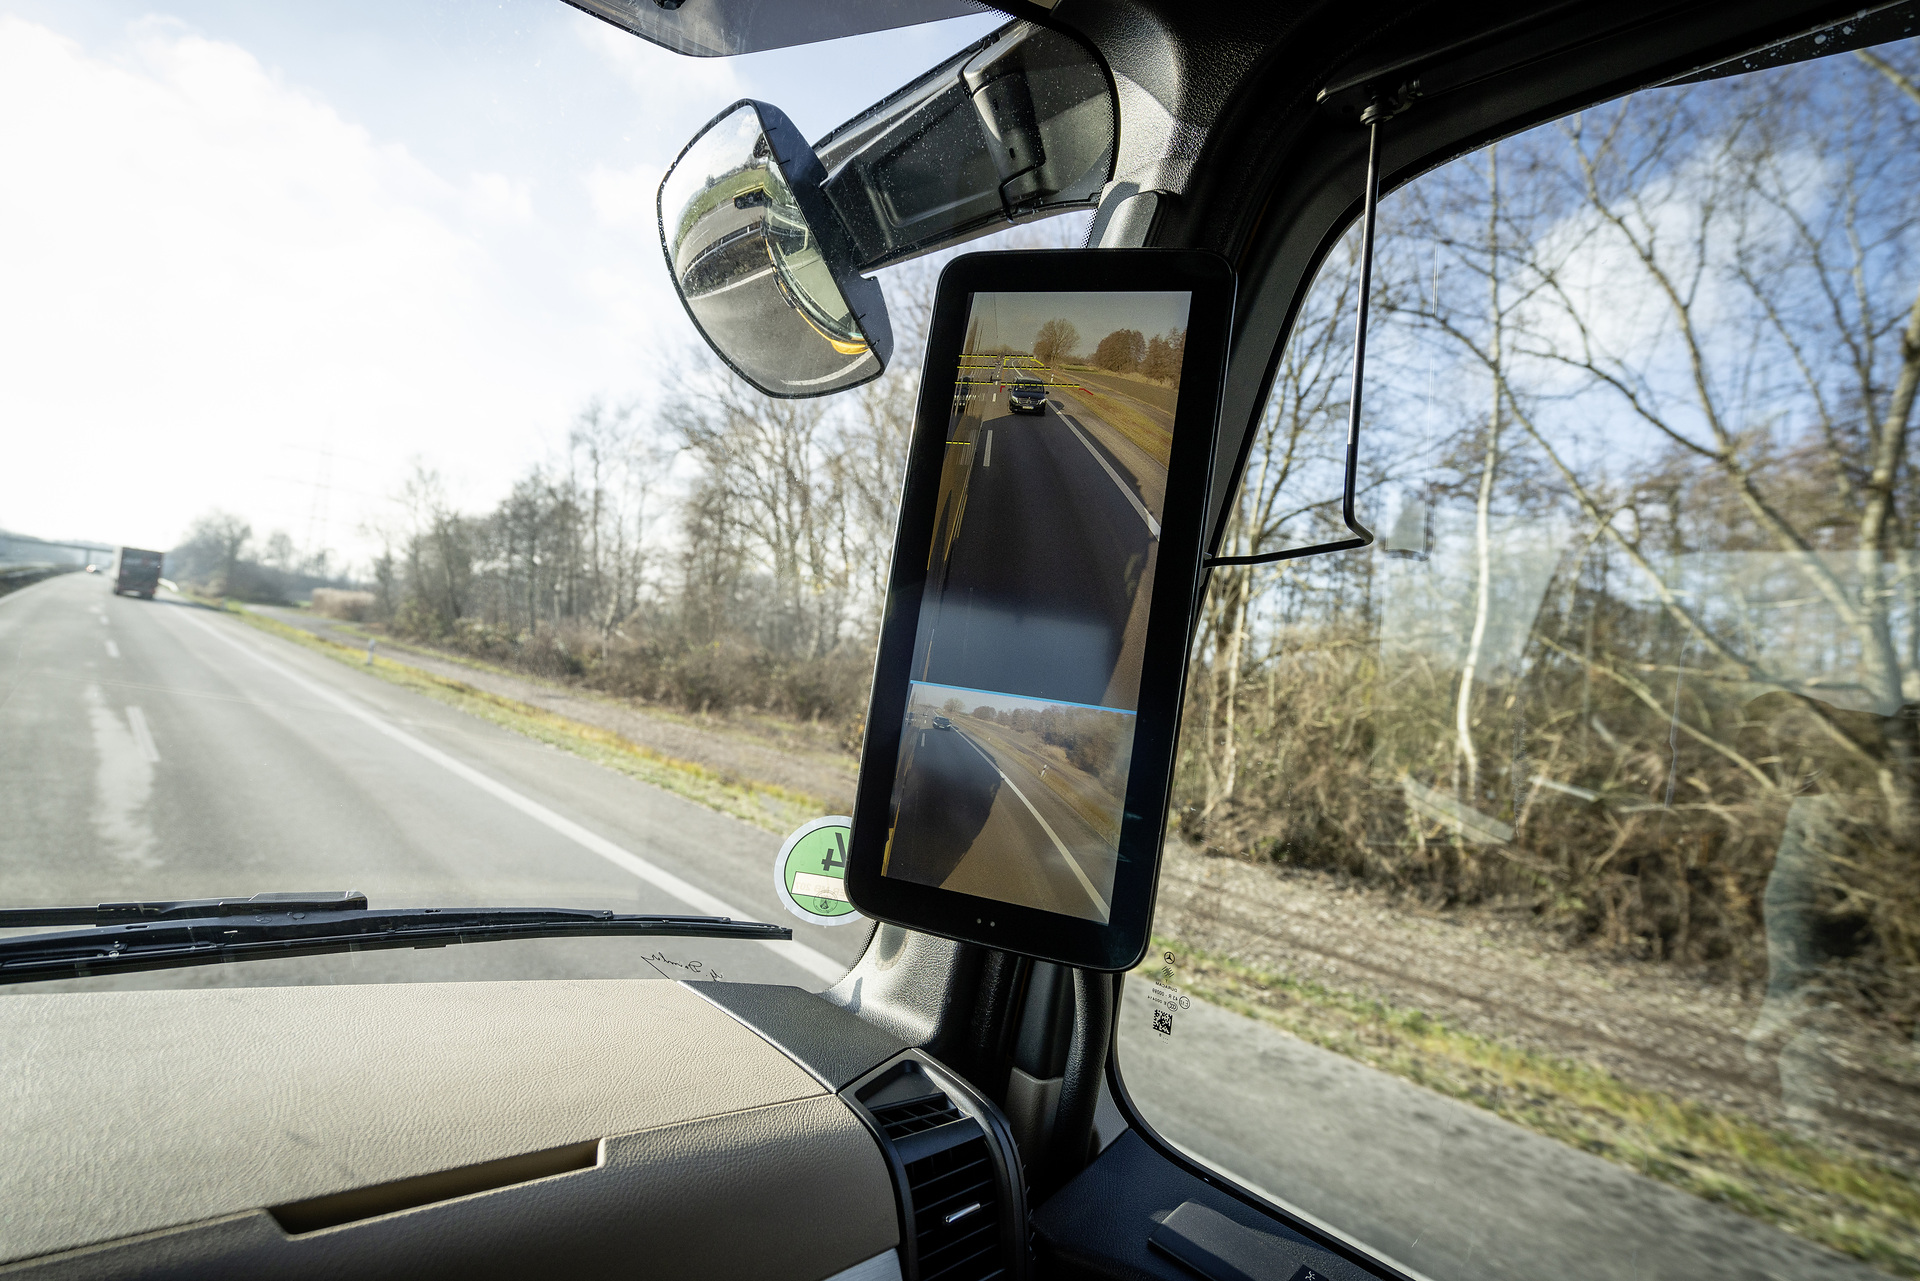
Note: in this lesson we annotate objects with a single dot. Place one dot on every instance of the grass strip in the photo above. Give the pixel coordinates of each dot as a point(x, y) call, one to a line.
point(1845, 1202)
point(1138, 386)
point(768, 726)
point(1130, 421)
point(767, 806)
point(1104, 820)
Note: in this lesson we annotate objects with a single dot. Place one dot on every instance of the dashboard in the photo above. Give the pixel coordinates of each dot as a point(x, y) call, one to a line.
point(578, 1128)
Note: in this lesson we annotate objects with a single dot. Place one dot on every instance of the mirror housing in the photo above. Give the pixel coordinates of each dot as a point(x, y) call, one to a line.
point(766, 238)
point(1022, 125)
point(761, 262)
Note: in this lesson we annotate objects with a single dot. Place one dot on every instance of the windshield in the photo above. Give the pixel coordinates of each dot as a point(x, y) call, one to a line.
point(439, 562)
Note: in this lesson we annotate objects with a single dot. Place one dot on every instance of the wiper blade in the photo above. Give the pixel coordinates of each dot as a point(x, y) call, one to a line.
point(313, 925)
point(181, 909)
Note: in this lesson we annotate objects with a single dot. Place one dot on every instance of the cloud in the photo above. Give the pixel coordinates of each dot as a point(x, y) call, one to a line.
point(219, 268)
point(501, 198)
point(208, 265)
point(623, 199)
point(667, 84)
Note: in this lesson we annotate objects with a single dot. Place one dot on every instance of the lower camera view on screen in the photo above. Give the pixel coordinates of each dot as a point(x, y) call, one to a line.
point(1019, 728)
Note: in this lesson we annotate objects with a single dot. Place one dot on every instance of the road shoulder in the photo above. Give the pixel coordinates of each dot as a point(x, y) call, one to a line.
point(769, 806)
point(1443, 1186)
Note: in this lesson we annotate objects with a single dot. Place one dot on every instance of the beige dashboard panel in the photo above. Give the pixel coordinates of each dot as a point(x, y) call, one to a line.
point(795, 1190)
point(130, 1112)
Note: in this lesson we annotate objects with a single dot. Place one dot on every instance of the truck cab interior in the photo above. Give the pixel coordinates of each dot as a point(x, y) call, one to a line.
point(945, 1110)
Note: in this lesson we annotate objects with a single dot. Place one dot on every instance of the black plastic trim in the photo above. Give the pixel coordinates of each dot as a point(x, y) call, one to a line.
point(977, 1111)
point(1104, 1224)
point(833, 1044)
point(1119, 942)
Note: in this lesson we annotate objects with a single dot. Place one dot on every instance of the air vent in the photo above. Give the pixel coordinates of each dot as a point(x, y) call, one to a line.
point(954, 1199)
point(956, 1213)
point(897, 1120)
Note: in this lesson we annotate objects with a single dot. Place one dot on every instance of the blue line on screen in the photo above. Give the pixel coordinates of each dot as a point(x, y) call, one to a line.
point(1025, 698)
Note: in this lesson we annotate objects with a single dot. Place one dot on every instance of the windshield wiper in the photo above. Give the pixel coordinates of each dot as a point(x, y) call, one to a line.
point(162, 935)
point(181, 909)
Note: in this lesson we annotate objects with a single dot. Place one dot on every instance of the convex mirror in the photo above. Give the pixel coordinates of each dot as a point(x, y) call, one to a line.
point(767, 238)
point(752, 249)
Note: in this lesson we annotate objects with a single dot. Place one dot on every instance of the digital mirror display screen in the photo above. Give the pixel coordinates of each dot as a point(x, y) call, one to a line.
point(1025, 679)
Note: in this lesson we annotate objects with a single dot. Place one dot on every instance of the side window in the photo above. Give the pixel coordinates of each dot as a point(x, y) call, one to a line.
point(1545, 894)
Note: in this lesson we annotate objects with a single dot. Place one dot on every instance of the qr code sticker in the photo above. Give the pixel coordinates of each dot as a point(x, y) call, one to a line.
point(1163, 1022)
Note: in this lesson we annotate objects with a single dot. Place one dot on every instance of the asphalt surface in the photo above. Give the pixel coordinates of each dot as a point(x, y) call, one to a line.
point(154, 749)
point(1443, 1189)
point(983, 823)
point(1041, 577)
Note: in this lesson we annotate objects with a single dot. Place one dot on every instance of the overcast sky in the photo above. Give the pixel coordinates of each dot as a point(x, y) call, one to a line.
point(242, 239)
point(1014, 318)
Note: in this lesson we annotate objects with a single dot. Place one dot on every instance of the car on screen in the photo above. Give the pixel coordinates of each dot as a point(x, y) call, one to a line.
point(1027, 397)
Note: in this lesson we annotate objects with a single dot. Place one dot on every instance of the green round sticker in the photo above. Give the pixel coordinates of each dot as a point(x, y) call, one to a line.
point(811, 872)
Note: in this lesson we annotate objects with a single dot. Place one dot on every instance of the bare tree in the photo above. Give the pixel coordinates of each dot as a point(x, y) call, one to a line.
point(1779, 287)
point(764, 483)
point(618, 470)
point(1055, 340)
point(1285, 485)
point(1668, 351)
point(871, 446)
point(213, 549)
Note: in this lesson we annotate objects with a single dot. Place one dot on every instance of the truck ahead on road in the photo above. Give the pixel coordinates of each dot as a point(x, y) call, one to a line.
point(136, 571)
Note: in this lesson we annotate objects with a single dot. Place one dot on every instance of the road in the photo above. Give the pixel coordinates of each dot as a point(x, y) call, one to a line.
point(154, 749)
point(1444, 1189)
point(984, 823)
point(1041, 580)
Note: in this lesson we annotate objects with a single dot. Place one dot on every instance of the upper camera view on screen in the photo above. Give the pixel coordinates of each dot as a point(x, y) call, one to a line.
point(1026, 667)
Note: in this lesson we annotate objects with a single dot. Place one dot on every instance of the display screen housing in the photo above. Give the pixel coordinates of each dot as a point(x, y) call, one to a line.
point(1013, 784)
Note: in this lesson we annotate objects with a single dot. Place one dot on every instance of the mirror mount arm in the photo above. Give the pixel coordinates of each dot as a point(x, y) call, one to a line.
point(1377, 111)
point(806, 177)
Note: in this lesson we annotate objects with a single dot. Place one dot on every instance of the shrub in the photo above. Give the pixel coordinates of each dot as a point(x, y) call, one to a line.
point(354, 607)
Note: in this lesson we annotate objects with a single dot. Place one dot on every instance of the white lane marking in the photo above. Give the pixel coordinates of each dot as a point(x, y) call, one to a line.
point(813, 961)
point(761, 274)
point(113, 650)
point(989, 458)
point(1153, 526)
point(122, 782)
point(1073, 863)
point(103, 620)
point(827, 378)
point(142, 736)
